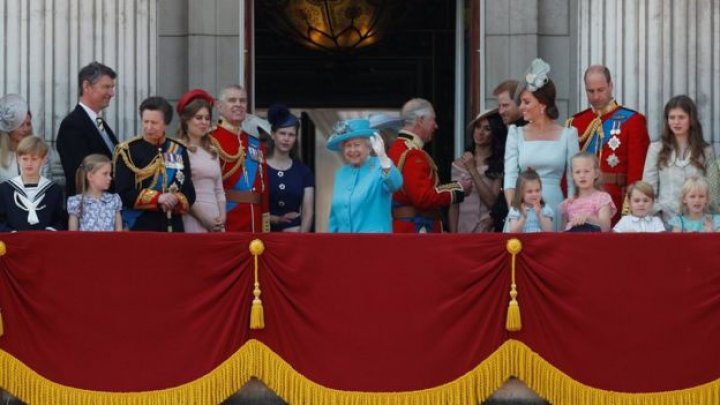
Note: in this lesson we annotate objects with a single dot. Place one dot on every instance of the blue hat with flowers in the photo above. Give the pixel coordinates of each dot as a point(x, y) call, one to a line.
point(349, 129)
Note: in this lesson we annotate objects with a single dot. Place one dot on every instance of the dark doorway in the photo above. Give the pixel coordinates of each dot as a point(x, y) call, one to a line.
point(415, 58)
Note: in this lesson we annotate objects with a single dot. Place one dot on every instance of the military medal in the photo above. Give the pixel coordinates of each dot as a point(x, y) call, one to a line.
point(614, 142)
point(613, 160)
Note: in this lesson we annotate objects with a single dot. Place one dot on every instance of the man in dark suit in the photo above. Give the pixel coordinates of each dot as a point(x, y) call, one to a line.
point(83, 131)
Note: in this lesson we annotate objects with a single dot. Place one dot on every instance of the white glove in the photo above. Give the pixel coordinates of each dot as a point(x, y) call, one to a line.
point(378, 147)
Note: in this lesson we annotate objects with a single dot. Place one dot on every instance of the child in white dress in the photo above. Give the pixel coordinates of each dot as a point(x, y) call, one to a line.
point(94, 209)
point(640, 219)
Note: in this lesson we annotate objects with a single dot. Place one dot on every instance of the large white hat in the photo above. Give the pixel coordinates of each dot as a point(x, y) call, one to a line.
point(13, 110)
point(252, 124)
point(385, 121)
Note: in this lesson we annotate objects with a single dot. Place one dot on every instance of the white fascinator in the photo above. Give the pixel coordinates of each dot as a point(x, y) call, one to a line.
point(13, 110)
point(537, 74)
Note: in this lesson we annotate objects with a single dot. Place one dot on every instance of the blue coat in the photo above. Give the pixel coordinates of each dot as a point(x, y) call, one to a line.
point(362, 198)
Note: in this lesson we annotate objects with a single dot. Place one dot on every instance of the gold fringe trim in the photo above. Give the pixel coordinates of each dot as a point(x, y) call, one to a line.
point(513, 358)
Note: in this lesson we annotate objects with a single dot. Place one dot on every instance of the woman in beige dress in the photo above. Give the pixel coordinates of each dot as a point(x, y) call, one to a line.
point(207, 214)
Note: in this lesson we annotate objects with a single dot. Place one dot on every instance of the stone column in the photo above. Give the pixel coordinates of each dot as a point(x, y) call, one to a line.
point(655, 50)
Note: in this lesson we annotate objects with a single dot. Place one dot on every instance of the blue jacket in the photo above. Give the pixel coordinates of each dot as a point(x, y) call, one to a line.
point(362, 198)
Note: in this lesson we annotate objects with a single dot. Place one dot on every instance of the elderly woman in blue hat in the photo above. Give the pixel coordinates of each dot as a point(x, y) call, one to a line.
point(364, 185)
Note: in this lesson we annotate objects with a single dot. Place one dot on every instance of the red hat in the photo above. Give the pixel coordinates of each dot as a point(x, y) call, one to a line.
point(192, 95)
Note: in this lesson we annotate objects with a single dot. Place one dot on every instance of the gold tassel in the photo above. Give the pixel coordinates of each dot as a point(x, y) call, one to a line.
point(257, 313)
point(513, 322)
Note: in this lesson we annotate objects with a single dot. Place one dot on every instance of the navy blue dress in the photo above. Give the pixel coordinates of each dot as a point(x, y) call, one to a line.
point(286, 191)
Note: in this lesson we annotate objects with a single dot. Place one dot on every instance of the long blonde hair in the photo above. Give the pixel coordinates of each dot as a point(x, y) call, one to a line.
point(5, 151)
point(90, 164)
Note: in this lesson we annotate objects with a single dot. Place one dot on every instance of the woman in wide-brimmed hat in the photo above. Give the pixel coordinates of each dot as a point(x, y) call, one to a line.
point(364, 186)
point(15, 124)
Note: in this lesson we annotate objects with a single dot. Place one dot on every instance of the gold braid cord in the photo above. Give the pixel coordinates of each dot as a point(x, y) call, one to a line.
point(238, 159)
point(155, 167)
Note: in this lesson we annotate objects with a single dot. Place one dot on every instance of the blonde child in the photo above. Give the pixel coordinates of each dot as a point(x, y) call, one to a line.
point(528, 212)
point(590, 209)
point(695, 213)
point(94, 209)
point(30, 201)
point(641, 197)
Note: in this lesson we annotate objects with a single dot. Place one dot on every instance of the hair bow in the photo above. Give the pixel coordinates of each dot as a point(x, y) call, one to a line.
point(537, 75)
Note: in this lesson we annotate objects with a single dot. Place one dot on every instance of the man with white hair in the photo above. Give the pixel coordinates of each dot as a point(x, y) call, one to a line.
point(243, 165)
point(416, 206)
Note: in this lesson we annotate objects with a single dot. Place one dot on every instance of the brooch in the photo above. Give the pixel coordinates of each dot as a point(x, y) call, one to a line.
point(340, 127)
point(614, 142)
point(613, 160)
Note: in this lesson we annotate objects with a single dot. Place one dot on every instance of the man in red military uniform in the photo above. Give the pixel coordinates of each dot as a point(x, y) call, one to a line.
point(416, 206)
point(243, 165)
point(617, 135)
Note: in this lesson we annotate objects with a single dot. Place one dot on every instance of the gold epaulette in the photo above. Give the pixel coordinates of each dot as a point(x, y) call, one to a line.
point(123, 146)
point(152, 169)
point(178, 141)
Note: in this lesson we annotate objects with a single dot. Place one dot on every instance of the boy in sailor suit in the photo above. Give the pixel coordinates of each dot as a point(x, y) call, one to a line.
point(30, 201)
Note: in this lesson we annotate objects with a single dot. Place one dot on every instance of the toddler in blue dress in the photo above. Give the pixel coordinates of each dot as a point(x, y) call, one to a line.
point(528, 212)
point(695, 212)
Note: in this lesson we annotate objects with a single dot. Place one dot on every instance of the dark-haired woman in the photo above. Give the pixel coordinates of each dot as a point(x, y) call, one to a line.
point(680, 153)
point(482, 162)
point(292, 186)
point(542, 144)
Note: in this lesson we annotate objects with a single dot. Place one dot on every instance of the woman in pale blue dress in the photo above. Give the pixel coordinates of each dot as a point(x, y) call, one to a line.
point(542, 144)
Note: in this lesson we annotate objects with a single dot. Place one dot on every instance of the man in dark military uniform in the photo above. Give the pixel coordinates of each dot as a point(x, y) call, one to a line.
point(152, 174)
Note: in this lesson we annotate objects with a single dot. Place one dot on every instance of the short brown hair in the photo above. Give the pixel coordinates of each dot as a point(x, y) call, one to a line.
point(525, 176)
point(643, 187)
point(598, 69)
point(510, 86)
point(32, 145)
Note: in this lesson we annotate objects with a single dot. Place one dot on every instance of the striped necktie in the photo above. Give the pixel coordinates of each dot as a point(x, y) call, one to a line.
point(106, 138)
